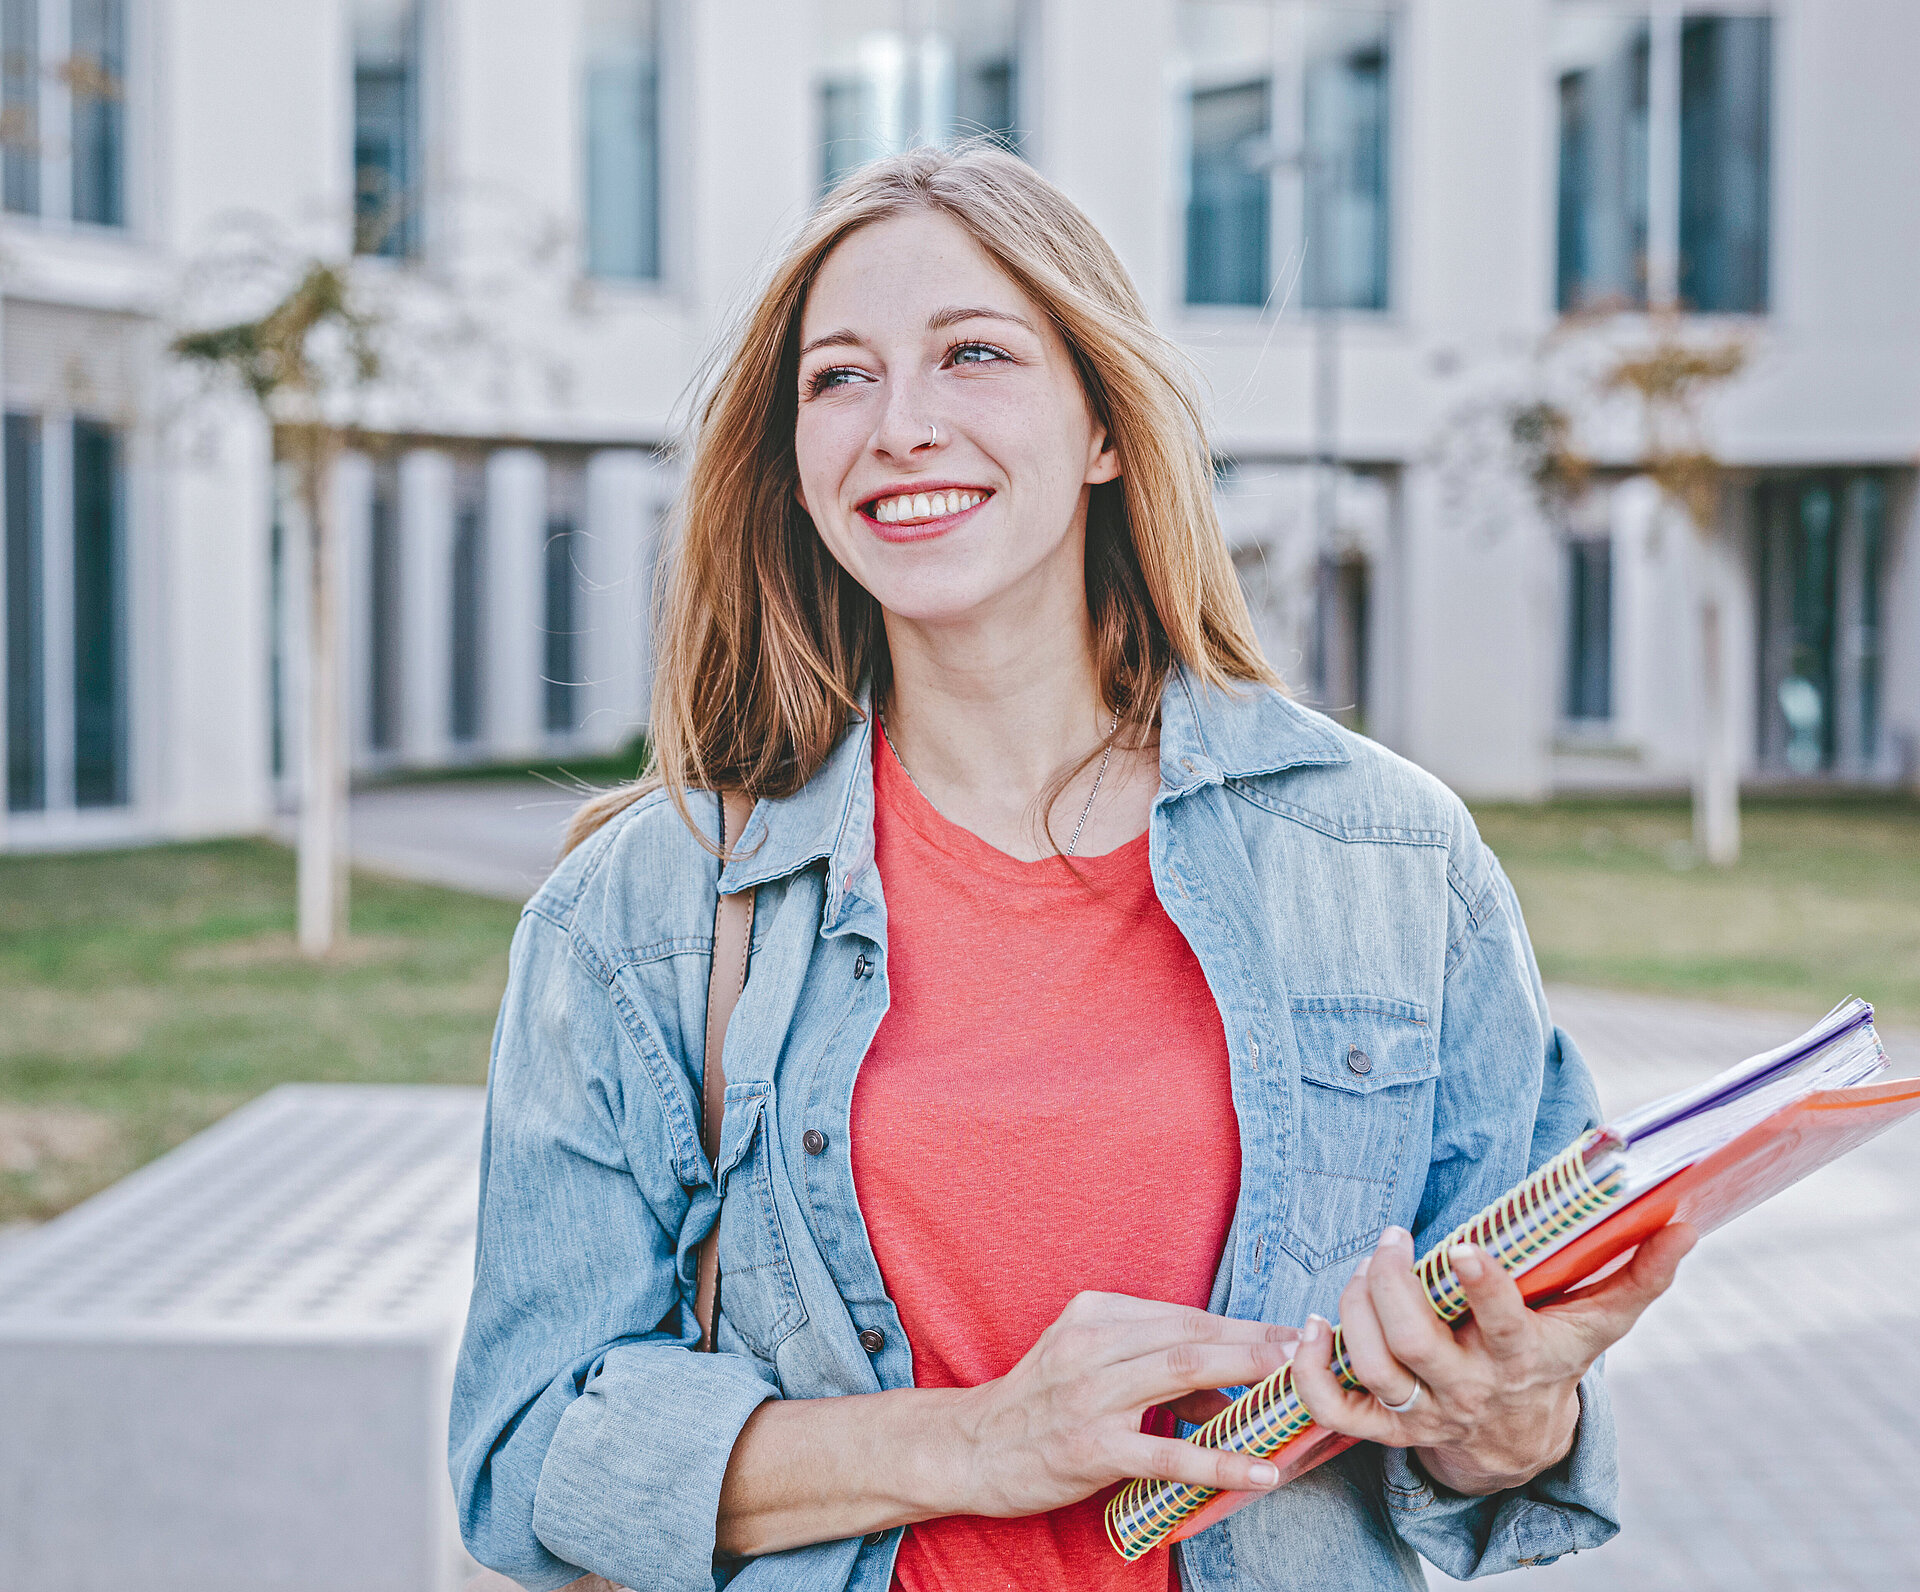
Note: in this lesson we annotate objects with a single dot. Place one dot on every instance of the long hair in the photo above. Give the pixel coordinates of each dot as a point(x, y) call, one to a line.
point(764, 639)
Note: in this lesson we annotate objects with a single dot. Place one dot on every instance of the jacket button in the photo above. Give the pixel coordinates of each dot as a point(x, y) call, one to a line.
point(873, 1340)
point(861, 966)
point(873, 1539)
point(1359, 1061)
point(813, 1141)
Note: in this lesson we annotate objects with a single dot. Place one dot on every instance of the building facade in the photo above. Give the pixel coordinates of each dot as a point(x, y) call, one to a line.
point(1377, 228)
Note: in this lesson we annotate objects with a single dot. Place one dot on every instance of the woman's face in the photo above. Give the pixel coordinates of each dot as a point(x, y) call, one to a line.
point(910, 325)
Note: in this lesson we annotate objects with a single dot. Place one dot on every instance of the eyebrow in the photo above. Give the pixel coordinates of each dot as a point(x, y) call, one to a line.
point(939, 321)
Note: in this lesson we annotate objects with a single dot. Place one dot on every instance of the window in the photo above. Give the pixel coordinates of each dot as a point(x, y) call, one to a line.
point(1664, 160)
point(560, 638)
point(901, 75)
point(26, 634)
point(386, 127)
point(1288, 153)
point(63, 109)
point(622, 100)
point(1821, 542)
point(1725, 66)
point(383, 609)
point(99, 595)
point(469, 593)
point(1601, 62)
point(1589, 679)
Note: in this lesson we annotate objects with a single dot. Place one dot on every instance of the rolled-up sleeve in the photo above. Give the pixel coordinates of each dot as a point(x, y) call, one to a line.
point(1482, 1146)
point(586, 1434)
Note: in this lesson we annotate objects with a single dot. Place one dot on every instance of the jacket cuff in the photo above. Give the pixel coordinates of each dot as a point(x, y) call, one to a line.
point(630, 1486)
point(1571, 1506)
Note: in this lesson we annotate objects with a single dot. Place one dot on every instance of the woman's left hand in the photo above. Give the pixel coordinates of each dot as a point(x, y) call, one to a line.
point(1497, 1396)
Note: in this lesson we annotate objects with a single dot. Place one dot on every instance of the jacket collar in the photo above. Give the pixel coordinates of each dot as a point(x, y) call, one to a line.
point(1207, 734)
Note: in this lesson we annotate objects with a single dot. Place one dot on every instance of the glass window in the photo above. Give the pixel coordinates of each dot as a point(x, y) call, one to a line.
point(622, 100)
point(99, 618)
point(383, 605)
point(96, 71)
point(561, 652)
point(26, 643)
point(1725, 72)
point(1345, 143)
point(1601, 66)
point(386, 127)
point(20, 104)
point(469, 593)
point(1227, 221)
point(1589, 679)
point(899, 74)
point(1288, 151)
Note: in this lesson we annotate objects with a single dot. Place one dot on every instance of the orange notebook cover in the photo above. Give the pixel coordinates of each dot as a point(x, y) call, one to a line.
point(1776, 1153)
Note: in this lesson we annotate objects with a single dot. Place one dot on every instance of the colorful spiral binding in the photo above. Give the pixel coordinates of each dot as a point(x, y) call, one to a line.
point(1516, 1230)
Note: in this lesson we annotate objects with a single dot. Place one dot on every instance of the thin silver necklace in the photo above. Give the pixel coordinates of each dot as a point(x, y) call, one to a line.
point(1106, 757)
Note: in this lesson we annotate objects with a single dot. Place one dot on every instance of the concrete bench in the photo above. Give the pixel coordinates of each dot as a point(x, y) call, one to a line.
point(231, 1369)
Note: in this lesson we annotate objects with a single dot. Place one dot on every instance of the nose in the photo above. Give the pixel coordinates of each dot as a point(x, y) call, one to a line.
point(906, 429)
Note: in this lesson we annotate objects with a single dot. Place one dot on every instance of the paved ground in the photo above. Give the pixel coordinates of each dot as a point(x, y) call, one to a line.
point(1769, 1408)
point(493, 837)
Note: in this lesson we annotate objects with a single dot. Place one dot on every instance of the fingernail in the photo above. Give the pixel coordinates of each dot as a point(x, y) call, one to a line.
point(1315, 1326)
point(1393, 1235)
point(1261, 1474)
point(1361, 1269)
point(1467, 1264)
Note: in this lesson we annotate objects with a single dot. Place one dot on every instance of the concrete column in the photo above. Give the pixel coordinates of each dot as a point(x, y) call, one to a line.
point(626, 491)
point(353, 526)
point(516, 608)
point(426, 605)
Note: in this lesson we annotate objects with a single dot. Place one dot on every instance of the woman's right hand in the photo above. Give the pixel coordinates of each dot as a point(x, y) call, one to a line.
point(1065, 1421)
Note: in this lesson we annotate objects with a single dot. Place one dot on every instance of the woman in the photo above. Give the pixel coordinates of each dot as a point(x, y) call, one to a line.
point(1110, 1016)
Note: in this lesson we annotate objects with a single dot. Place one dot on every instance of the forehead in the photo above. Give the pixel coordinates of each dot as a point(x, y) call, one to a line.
point(891, 276)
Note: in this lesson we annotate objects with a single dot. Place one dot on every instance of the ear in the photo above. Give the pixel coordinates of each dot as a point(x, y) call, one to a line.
point(1103, 460)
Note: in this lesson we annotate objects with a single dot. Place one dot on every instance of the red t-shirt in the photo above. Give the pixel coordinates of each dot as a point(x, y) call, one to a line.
point(1045, 1109)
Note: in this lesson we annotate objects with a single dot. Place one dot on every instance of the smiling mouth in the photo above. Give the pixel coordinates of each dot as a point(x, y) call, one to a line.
point(924, 508)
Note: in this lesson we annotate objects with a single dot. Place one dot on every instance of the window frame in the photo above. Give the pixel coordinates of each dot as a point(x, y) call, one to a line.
point(54, 124)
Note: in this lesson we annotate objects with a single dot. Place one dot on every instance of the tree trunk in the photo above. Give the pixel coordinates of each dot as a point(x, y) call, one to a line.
point(322, 888)
point(1716, 787)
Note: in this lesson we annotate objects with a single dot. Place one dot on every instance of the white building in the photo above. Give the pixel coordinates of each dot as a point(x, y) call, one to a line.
point(1363, 220)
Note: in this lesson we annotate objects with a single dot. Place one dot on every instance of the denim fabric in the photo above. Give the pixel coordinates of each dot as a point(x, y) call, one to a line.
point(1339, 901)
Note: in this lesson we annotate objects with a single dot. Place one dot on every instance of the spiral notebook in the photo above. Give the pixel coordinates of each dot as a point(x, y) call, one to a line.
point(1703, 1156)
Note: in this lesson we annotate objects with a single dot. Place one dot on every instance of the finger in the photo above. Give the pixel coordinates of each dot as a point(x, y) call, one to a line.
point(1415, 1336)
point(1172, 1459)
point(1194, 1367)
point(1138, 1336)
point(1499, 1312)
point(1373, 1362)
point(1336, 1408)
point(1605, 1311)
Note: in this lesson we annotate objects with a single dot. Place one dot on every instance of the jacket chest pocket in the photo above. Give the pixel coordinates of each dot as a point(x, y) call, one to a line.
point(1367, 1070)
point(759, 1298)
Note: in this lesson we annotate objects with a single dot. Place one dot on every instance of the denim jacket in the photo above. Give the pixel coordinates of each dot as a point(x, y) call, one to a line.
point(1335, 897)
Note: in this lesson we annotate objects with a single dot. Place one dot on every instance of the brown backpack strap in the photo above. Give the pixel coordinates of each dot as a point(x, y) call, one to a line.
point(727, 976)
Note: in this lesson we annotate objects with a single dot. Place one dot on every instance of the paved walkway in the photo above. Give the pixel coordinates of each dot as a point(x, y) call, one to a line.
point(1769, 1407)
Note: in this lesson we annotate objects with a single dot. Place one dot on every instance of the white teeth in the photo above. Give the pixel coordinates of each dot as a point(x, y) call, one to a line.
point(925, 506)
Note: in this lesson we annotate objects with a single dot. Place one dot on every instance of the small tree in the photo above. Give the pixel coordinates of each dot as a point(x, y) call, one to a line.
point(297, 362)
point(1668, 381)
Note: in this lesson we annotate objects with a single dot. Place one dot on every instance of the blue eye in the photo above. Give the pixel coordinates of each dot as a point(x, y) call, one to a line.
point(833, 376)
point(975, 353)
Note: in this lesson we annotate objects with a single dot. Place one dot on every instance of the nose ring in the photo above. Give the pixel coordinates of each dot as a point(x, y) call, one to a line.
point(933, 435)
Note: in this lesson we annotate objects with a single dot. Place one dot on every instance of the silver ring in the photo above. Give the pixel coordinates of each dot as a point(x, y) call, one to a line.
point(1405, 1404)
point(933, 435)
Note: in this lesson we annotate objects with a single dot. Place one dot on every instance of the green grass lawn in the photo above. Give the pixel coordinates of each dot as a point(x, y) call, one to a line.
point(1824, 902)
point(146, 993)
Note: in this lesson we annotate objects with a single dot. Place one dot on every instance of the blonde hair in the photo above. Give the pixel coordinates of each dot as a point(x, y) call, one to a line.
point(764, 639)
